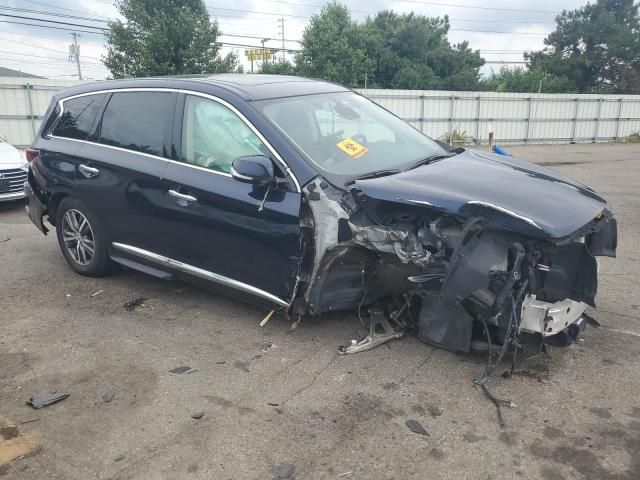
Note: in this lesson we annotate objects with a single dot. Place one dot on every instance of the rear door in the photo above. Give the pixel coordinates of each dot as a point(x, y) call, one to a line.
point(122, 163)
point(218, 229)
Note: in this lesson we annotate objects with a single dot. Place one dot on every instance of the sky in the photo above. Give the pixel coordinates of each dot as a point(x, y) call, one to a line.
point(501, 29)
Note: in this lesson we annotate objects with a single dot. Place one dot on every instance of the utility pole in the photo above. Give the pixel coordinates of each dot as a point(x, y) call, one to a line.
point(74, 53)
point(265, 59)
point(282, 36)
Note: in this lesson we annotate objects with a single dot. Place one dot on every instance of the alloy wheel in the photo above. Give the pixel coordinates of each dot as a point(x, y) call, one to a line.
point(78, 237)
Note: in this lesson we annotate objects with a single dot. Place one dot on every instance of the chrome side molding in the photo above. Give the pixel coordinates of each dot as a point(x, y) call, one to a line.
point(198, 272)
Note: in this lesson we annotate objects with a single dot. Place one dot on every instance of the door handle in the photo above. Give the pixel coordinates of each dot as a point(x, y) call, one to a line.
point(89, 172)
point(181, 198)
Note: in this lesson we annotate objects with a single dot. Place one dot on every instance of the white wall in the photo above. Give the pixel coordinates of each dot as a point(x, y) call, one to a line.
point(20, 100)
point(514, 117)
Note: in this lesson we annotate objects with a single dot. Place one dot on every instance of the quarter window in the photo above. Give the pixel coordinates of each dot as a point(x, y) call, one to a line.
point(78, 116)
point(213, 136)
point(138, 121)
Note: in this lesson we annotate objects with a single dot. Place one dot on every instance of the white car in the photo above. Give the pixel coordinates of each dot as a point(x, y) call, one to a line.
point(13, 172)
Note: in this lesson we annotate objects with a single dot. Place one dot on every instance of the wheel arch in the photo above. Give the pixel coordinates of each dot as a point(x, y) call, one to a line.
point(54, 203)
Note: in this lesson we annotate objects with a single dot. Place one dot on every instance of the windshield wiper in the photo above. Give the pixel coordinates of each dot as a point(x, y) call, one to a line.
point(430, 159)
point(376, 174)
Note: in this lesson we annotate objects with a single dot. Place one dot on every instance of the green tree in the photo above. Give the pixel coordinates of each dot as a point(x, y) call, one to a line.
point(278, 68)
point(164, 37)
point(527, 80)
point(333, 48)
point(597, 47)
point(412, 51)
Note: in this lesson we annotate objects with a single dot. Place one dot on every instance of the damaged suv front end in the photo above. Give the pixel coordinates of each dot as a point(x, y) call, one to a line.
point(472, 249)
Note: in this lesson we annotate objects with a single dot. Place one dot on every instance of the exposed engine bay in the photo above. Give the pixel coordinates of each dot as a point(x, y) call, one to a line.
point(461, 283)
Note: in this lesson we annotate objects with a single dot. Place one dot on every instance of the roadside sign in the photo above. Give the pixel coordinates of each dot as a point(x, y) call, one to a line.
point(259, 54)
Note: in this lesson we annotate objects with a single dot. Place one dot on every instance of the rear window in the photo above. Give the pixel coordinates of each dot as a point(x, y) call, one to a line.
point(138, 121)
point(78, 116)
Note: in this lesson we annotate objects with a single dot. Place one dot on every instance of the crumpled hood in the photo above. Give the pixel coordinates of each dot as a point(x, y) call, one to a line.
point(512, 193)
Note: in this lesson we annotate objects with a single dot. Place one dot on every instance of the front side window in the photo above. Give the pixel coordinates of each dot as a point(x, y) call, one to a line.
point(138, 121)
point(346, 135)
point(213, 136)
point(78, 116)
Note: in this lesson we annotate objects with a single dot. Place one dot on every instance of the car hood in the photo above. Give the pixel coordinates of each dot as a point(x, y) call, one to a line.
point(513, 194)
point(11, 157)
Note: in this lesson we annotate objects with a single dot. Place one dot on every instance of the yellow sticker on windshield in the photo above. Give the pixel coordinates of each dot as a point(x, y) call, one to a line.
point(352, 148)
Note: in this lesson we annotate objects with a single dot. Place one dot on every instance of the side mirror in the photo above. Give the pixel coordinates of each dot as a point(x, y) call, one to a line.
point(257, 170)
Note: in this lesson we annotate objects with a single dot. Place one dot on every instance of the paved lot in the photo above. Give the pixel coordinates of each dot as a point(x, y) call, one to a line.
point(577, 415)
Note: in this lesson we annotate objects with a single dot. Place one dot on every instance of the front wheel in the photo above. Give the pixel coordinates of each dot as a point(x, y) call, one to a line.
point(81, 239)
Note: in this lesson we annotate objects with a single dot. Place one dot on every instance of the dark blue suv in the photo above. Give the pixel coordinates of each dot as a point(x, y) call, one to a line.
point(310, 197)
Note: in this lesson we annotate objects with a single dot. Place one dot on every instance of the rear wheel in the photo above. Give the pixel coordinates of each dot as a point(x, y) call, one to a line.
point(81, 239)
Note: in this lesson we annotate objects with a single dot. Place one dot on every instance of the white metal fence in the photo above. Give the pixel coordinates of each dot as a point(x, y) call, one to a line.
point(23, 101)
point(514, 117)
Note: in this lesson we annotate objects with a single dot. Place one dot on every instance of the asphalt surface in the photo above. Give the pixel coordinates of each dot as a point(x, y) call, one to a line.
point(271, 397)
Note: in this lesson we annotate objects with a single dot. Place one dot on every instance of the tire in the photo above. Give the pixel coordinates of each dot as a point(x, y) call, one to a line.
point(78, 231)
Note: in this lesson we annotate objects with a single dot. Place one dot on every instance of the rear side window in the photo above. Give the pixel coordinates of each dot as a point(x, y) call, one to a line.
point(78, 116)
point(138, 121)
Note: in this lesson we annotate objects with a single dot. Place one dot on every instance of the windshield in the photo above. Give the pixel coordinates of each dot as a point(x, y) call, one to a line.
point(346, 135)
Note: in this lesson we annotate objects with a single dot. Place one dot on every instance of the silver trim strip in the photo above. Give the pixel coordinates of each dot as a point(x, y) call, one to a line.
point(198, 272)
point(235, 174)
point(279, 159)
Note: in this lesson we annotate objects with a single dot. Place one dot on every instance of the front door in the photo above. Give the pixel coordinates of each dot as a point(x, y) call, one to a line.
point(221, 229)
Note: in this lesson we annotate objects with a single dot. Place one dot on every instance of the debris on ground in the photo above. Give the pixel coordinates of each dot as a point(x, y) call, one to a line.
point(44, 399)
point(221, 362)
point(179, 370)
point(134, 304)
point(5, 240)
point(96, 293)
point(416, 427)
point(267, 318)
point(284, 472)
point(344, 474)
point(272, 404)
point(434, 411)
point(267, 347)
point(30, 421)
point(119, 458)
point(197, 415)
point(107, 397)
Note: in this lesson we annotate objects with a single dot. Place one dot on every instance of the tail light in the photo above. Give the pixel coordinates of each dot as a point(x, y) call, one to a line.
point(31, 153)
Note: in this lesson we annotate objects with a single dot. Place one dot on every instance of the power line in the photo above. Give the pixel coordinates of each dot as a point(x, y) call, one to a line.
point(13, 22)
point(46, 20)
point(101, 29)
point(42, 56)
point(52, 14)
point(59, 8)
point(257, 37)
point(44, 48)
point(44, 62)
point(498, 9)
point(317, 5)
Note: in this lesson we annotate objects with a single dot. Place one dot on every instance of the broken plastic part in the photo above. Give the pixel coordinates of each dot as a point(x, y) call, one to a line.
point(44, 399)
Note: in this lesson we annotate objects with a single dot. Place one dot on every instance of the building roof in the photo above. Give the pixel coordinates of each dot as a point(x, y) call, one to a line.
point(9, 72)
